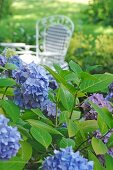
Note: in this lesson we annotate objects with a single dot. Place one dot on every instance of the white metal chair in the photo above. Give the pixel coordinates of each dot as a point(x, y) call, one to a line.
point(53, 36)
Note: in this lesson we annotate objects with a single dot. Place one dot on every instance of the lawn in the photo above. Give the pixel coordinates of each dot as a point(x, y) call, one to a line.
point(20, 25)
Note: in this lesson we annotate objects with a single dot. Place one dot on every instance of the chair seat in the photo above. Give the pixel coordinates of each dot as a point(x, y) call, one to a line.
point(28, 58)
point(49, 54)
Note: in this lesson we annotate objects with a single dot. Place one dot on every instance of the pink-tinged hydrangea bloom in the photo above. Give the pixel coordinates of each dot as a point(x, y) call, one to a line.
point(9, 139)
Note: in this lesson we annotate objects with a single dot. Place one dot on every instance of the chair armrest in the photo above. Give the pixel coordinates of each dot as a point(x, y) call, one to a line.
point(13, 45)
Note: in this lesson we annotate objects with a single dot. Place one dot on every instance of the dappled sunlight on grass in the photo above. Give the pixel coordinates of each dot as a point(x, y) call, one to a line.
point(77, 1)
point(101, 29)
point(25, 13)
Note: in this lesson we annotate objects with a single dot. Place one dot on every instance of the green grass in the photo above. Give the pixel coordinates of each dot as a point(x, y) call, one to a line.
point(20, 26)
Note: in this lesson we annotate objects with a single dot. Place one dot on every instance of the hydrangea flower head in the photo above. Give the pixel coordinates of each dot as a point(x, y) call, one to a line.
point(33, 90)
point(9, 139)
point(9, 52)
point(66, 159)
point(49, 108)
point(21, 74)
point(16, 61)
point(100, 101)
point(3, 60)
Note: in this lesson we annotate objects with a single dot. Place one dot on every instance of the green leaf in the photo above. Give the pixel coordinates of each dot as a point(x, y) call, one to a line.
point(102, 125)
point(71, 126)
point(80, 94)
point(24, 131)
point(97, 164)
point(41, 136)
point(10, 66)
point(12, 164)
point(57, 68)
point(75, 115)
point(61, 80)
point(2, 68)
point(40, 114)
point(110, 141)
point(108, 162)
point(98, 146)
point(64, 116)
point(91, 68)
point(72, 129)
point(76, 68)
point(29, 114)
point(87, 76)
point(25, 151)
point(72, 77)
point(104, 113)
point(9, 92)
point(11, 109)
point(44, 126)
point(67, 98)
point(7, 82)
point(67, 142)
point(100, 83)
point(89, 126)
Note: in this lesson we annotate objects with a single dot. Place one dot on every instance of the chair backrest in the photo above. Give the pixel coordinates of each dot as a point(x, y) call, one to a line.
point(53, 34)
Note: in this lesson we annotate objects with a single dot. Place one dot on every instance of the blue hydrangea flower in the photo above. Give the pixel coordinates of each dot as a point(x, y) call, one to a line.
point(66, 159)
point(21, 74)
point(3, 60)
point(16, 61)
point(33, 90)
point(9, 139)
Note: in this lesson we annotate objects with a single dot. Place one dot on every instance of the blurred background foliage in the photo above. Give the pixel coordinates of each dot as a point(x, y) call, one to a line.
point(93, 37)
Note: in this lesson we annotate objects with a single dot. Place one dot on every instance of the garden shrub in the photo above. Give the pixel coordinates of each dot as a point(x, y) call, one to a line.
point(90, 50)
point(101, 11)
point(5, 8)
point(52, 129)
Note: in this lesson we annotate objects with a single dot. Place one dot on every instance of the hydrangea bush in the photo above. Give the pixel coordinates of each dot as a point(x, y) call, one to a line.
point(58, 120)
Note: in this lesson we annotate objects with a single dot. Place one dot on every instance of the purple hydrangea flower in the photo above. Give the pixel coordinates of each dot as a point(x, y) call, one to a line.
point(52, 83)
point(66, 159)
point(50, 108)
point(9, 139)
point(3, 60)
point(100, 101)
point(33, 90)
point(109, 96)
point(105, 139)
